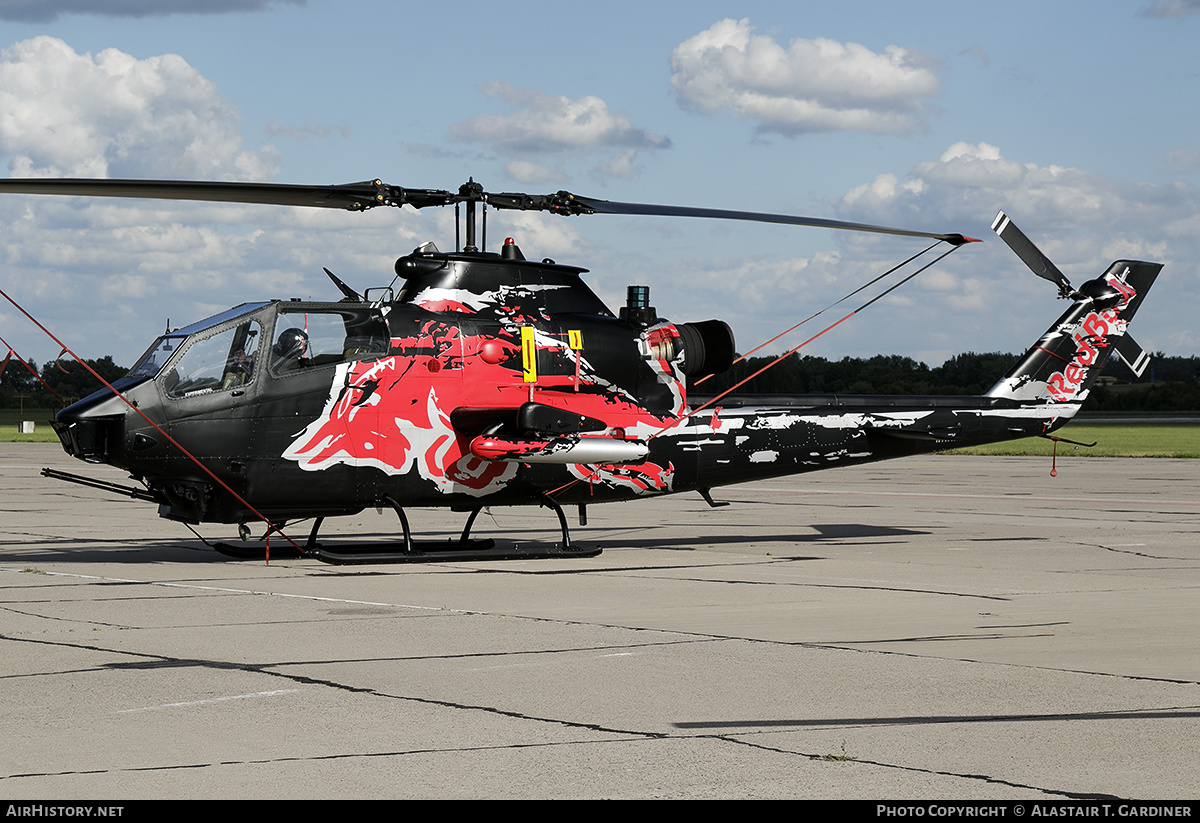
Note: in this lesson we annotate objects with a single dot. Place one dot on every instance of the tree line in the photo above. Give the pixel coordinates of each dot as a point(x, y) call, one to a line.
point(61, 381)
point(1170, 384)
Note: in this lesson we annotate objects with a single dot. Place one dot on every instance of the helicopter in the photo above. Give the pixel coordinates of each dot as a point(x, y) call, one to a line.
point(490, 380)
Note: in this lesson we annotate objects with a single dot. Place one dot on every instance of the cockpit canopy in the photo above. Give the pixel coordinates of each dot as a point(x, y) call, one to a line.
point(157, 355)
point(222, 352)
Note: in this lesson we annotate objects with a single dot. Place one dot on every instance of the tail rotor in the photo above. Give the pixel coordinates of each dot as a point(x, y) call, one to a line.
point(1124, 346)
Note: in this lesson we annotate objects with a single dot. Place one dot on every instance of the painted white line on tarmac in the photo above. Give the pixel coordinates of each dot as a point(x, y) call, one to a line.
point(227, 590)
point(209, 700)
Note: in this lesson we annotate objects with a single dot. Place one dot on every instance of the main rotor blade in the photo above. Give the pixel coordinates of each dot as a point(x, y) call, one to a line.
point(612, 207)
point(352, 196)
point(370, 193)
point(1030, 254)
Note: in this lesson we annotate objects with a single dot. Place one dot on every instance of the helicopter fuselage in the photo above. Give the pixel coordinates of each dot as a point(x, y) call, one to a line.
point(488, 380)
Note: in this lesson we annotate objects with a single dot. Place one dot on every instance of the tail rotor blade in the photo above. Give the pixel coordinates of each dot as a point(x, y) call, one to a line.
point(1030, 254)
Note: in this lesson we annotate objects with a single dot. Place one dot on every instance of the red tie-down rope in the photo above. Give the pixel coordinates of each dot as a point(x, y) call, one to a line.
point(790, 352)
point(29, 368)
point(271, 527)
point(786, 332)
point(784, 356)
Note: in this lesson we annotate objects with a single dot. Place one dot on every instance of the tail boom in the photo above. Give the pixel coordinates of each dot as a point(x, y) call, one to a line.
point(750, 438)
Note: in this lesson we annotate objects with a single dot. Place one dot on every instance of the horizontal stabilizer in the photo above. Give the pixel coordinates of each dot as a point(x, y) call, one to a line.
point(1133, 355)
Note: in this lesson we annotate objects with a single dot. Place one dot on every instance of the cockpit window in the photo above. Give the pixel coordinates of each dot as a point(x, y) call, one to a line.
point(218, 319)
point(158, 355)
point(220, 362)
point(307, 338)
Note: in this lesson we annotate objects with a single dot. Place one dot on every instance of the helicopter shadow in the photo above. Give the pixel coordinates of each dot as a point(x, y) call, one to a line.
point(666, 537)
point(830, 532)
point(130, 550)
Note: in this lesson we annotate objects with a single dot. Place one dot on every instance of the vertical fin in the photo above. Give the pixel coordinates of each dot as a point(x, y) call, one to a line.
point(1062, 366)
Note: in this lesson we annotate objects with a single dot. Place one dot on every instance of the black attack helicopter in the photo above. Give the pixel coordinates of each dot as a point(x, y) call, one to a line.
point(494, 380)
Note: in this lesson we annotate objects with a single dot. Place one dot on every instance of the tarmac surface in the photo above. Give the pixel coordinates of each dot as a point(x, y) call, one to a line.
point(939, 627)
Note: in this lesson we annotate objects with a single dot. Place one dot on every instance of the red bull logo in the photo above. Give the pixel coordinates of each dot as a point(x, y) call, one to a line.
point(1090, 337)
point(394, 413)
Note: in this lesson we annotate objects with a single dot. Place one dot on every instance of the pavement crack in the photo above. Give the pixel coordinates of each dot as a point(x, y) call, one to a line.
point(317, 758)
point(452, 704)
point(1129, 550)
point(983, 778)
point(272, 669)
point(771, 561)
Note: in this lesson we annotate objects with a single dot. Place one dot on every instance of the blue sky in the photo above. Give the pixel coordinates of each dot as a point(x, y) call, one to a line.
point(1078, 118)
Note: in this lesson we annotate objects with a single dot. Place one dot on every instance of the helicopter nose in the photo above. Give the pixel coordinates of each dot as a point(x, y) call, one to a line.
point(92, 429)
point(88, 438)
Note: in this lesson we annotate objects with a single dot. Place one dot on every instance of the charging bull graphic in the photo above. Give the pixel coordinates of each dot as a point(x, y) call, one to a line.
point(395, 413)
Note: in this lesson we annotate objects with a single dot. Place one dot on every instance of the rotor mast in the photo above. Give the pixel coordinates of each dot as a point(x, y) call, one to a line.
point(471, 193)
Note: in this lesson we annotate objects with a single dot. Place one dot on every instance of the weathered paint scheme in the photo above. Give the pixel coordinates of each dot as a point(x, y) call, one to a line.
point(327, 438)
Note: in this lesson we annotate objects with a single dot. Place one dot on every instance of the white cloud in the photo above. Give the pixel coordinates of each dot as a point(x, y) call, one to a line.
point(1170, 8)
point(623, 165)
point(1183, 159)
point(527, 171)
point(546, 125)
point(537, 233)
point(65, 114)
point(969, 183)
point(811, 86)
point(979, 54)
point(980, 298)
point(105, 274)
point(1081, 220)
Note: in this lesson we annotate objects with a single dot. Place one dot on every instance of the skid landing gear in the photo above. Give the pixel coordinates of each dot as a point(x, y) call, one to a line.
point(282, 550)
point(464, 548)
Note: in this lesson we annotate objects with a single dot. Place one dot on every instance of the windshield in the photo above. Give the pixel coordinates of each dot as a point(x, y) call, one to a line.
point(158, 354)
point(154, 359)
point(224, 360)
point(218, 319)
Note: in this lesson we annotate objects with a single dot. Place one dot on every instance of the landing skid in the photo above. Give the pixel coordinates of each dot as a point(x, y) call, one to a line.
point(426, 551)
point(257, 552)
point(441, 551)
